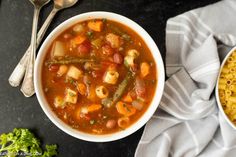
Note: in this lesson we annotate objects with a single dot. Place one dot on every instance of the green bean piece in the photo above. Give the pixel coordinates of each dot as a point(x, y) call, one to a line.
point(122, 87)
point(90, 34)
point(69, 61)
point(109, 102)
point(120, 32)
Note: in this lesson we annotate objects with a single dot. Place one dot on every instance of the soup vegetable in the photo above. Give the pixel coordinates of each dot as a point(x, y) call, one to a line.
point(227, 87)
point(99, 76)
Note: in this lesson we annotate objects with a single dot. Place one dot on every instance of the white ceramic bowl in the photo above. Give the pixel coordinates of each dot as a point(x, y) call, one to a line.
point(217, 90)
point(76, 133)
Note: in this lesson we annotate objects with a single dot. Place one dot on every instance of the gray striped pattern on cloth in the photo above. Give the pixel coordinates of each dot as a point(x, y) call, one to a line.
point(187, 122)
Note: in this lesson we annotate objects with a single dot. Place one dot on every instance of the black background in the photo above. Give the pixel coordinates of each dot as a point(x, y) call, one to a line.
point(15, 32)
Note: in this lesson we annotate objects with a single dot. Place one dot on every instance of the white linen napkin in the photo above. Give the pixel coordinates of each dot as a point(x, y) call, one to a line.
point(187, 122)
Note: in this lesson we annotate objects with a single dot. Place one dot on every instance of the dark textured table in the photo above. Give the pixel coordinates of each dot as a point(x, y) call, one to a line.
point(15, 32)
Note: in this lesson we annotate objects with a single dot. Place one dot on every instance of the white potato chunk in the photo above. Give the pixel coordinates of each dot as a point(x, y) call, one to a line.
point(114, 40)
point(79, 28)
point(58, 102)
point(133, 52)
point(58, 49)
point(84, 110)
point(71, 96)
point(111, 77)
point(74, 72)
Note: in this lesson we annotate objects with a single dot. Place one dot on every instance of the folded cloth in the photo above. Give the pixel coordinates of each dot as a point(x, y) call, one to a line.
point(187, 122)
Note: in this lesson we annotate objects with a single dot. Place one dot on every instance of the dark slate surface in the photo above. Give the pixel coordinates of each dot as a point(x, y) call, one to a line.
point(15, 31)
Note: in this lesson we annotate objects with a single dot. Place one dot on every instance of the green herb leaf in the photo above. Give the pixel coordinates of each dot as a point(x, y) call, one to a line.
point(90, 34)
point(23, 142)
point(50, 151)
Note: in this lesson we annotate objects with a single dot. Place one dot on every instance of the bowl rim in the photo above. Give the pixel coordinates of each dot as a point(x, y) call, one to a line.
point(152, 106)
point(217, 90)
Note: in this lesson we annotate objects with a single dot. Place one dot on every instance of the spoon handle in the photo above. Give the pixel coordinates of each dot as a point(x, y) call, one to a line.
point(45, 25)
point(19, 71)
point(27, 87)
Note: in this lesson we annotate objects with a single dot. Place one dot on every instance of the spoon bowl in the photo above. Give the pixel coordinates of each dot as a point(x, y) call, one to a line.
point(39, 3)
point(62, 4)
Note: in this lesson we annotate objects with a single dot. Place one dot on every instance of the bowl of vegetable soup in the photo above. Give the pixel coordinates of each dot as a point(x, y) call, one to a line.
point(226, 88)
point(99, 76)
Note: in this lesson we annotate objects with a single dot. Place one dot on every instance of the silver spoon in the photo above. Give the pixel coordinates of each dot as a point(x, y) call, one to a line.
point(26, 88)
point(19, 71)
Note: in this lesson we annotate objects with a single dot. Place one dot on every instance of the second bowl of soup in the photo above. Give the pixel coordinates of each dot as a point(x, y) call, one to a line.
point(99, 76)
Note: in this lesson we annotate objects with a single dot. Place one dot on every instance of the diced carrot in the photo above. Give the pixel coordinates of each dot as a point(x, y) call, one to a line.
point(81, 88)
point(91, 93)
point(125, 109)
point(90, 108)
point(127, 98)
point(77, 113)
point(145, 69)
point(95, 25)
point(94, 107)
point(78, 40)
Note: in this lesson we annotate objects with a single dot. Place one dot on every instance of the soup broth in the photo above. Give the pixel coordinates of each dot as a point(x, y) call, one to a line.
point(99, 76)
